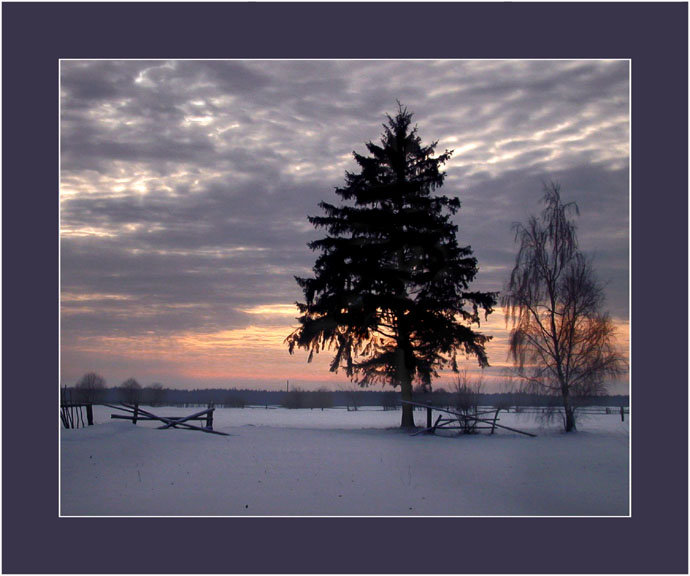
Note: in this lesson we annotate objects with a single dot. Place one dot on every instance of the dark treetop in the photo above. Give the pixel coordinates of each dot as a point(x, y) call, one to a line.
point(390, 292)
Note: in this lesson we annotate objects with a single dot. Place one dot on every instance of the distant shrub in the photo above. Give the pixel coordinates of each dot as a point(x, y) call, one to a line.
point(294, 399)
point(352, 397)
point(233, 401)
point(389, 400)
point(502, 402)
point(153, 395)
point(467, 391)
point(130, 391)
point(321, 398)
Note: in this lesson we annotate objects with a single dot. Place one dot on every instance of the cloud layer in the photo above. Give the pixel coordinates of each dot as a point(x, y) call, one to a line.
point(185, 188)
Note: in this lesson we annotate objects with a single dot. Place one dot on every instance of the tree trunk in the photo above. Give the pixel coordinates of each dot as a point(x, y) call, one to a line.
point(404, 369)
point(569, 413)
point(406, 394)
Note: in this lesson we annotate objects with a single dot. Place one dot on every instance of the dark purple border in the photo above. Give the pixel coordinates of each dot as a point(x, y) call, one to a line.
point(654, 36)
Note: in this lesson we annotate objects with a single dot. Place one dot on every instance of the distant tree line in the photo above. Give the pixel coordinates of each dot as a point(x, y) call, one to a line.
point(92, 388)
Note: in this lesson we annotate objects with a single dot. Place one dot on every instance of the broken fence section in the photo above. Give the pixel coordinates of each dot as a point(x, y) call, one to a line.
point(72, 413)
point(461, 421)
point(135, 413)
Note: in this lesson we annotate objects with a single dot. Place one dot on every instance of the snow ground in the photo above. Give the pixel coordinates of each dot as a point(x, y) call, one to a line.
point(279, 462)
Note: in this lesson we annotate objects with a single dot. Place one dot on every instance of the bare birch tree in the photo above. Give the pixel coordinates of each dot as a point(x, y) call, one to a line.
point(130, 391)
point(91, 388)
point(561, 342)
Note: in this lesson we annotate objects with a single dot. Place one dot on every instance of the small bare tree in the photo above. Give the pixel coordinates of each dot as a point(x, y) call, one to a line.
point(234, 400)
point(352, 400)
point(130, 391)
point(91, 388)
point(561, 341)
point(467, 391)
point(154, 394)
point(321, 398)
point(389, 400)
point(295, 398)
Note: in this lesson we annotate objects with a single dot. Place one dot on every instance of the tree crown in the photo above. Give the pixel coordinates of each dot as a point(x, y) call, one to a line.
point(561, 339)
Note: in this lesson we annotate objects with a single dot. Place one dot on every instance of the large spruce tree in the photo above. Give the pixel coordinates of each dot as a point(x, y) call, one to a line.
point(390, 293)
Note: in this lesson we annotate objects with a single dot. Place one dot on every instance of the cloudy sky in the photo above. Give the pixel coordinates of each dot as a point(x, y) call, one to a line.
point(185, 187)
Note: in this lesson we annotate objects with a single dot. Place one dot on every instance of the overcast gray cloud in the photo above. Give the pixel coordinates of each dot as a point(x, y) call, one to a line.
point(185, 185)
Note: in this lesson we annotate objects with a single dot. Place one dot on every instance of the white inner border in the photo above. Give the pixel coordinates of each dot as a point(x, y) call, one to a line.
point(630, 311)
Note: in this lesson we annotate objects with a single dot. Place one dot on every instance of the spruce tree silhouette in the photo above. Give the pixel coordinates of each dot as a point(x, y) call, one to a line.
point(390, 293)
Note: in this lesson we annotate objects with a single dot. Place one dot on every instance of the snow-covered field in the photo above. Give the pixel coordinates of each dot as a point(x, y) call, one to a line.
point(333, 462)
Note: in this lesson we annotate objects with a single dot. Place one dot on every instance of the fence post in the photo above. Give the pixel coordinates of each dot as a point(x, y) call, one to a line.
point(136, 413)
point(89, 414)
point(493, 426)
point(209, 417)
point(431, 427)
point(622, 414)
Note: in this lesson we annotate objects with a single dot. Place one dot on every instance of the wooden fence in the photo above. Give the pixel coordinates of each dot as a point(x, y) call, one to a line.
point(467, 422)
point(74, 414)
point(134, 413)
